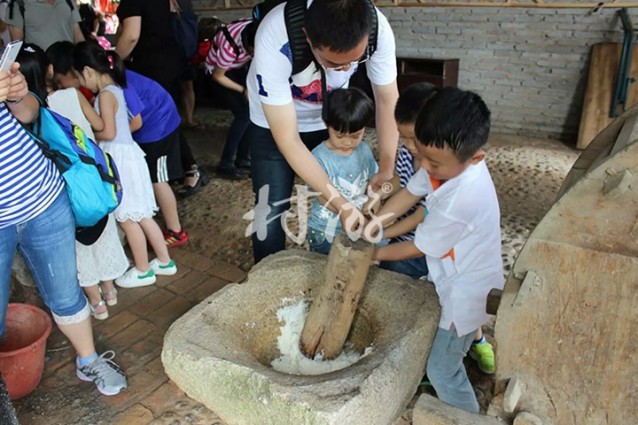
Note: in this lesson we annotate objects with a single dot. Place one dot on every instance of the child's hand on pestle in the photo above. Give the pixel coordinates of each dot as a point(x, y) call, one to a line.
point(373, 205)
point(353, 221)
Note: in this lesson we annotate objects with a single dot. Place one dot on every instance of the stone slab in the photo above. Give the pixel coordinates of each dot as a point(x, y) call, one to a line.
point(429, 410)
point(219, 353)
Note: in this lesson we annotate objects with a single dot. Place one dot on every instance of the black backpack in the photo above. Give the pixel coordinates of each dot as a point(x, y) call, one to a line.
point(295, 12)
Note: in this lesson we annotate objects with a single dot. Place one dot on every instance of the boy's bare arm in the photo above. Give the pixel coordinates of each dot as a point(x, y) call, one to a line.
point(406, 225)
point(397, 251)
point(397, 205)
point(394, 185)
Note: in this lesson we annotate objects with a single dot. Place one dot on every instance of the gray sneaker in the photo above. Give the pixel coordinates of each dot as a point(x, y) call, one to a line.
point(107, 376)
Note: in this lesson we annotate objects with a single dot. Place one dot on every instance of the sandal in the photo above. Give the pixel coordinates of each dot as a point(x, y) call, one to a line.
point(202, 180)
point(99, 310)
point(110, 297)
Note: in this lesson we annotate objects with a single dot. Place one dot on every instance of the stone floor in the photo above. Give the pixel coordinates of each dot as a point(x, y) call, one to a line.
point(527, 174)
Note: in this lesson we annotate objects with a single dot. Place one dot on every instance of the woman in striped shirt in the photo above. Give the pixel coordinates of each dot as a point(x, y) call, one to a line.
point(227, 61)
point(36, 219)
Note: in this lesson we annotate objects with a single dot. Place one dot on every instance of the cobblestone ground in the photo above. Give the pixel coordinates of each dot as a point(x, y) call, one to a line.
point(527, 174)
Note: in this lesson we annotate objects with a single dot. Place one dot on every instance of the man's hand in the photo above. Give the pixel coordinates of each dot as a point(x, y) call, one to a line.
point(382, 177)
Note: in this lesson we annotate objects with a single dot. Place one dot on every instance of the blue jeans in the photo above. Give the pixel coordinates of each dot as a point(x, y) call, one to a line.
point(236, 149)
point(413, 267)
point(446, 371)
point(317, 241)
point(47, 243)
point(271, 171)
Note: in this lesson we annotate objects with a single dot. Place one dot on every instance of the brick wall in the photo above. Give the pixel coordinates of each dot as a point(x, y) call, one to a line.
point(530, 65)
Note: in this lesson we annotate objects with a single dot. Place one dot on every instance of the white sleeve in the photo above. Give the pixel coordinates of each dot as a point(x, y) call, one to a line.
point(273, 59)
point(382, 66)
point(438, 234)
point(418, 183)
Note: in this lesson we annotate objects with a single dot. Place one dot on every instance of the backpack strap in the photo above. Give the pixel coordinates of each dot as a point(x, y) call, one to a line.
point(230, 39)
point(294, 15)
point(20, 8)
point(374, 33)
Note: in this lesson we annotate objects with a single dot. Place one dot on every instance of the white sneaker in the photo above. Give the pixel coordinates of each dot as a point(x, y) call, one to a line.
point(133, 278)
point(168, 269)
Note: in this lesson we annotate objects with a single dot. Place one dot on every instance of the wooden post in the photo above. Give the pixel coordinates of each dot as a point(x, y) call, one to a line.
point(331, 313)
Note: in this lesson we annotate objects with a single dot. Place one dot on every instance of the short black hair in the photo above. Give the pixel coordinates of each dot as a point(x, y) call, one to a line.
point(411, 101)
point(339, 25)
point(455, 118)
point(347, 110)
point(60, 55)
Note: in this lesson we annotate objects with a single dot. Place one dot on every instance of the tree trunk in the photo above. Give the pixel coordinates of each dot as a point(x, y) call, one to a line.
point(332, 310)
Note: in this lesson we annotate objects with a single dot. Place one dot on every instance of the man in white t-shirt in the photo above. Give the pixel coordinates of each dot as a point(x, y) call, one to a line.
point(460, 236)
point(285, 109)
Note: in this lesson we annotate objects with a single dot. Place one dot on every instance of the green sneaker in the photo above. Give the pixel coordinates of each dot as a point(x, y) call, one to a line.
point(483, 353)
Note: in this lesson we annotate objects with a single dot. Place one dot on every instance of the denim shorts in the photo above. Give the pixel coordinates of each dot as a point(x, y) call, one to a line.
point(47, 243)
point(317, 241)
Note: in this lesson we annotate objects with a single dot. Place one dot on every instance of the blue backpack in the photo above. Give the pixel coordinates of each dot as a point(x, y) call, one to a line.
point(92, 180)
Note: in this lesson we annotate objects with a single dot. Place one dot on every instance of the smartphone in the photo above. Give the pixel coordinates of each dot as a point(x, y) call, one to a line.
point(10, 54)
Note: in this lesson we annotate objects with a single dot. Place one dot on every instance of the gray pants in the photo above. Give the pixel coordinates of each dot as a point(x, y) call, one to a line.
point(446, 371)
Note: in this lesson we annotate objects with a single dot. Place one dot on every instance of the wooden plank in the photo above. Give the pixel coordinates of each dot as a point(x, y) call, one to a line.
point(603, 70)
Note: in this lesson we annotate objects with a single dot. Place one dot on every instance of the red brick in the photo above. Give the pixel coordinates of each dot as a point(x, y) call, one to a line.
point(194, 261)
point(155, 366)
point(114, 324)
point(226, 271)
point(153, 301)
point(140, 385)
point(187, 282)
point(206, 288)
point(182, 271)
point(134, 415)
point(62, 378)
point(130, 335)
point(163, 398)
point(139, 354)
point(128, 297)
point(169, 312)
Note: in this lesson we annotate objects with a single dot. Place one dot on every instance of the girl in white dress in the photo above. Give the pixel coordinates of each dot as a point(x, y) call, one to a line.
point(103, 260)
point(102, 72)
